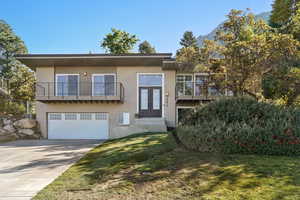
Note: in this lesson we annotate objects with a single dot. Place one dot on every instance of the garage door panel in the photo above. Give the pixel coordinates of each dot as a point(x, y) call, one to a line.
point(86, 126)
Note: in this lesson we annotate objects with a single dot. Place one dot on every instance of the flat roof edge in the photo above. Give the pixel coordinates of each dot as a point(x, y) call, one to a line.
point(103, 56)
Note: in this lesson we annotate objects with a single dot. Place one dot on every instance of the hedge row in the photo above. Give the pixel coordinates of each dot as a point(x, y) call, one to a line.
point(242, 125)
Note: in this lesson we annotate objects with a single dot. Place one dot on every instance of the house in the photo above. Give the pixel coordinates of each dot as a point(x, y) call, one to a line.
point(103, 96)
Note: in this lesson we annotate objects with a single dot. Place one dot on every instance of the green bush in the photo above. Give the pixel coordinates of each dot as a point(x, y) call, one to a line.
point(242, 125)
point(10, 107)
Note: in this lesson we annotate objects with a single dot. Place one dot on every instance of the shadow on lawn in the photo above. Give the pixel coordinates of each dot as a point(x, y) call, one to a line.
point(145, 159)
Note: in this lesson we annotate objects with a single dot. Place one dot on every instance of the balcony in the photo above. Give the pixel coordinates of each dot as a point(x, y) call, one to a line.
point(198, 91)
point(79, 92)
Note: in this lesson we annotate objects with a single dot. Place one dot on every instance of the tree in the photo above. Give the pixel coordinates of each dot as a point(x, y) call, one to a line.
point(283, 83)
point(21, 78)
point(119, 42)
point(188, 40)
point(282, 12)
point(248, 50)
point(188, 55)
point(10, 44)
point(146, 48)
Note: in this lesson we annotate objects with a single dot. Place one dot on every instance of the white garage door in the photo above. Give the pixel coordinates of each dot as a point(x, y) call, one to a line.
point(77, 126)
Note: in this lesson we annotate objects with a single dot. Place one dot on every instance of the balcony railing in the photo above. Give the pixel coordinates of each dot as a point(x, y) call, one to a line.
point(77, 91)
point(199, 91)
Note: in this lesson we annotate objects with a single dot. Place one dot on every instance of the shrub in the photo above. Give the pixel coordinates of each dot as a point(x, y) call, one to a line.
point(11, 107)
point(242, 125)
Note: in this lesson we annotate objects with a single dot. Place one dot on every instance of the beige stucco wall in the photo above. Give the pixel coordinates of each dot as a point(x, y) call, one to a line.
point(125, 75)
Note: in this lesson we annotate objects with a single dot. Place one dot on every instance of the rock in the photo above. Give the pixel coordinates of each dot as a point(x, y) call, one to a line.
point(9, 128)
point(3, 132)
point(7, 121)
point(26, 131)
point(25, 123)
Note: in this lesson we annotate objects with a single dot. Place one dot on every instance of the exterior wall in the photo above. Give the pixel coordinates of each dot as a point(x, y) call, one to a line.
point(125, 75)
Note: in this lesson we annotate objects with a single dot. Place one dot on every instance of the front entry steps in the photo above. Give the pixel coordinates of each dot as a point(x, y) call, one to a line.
point(151, 124)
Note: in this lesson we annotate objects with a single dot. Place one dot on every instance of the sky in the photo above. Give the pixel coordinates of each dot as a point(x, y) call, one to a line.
point(78, 26)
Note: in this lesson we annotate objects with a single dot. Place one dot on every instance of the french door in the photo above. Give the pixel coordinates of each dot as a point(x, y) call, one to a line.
point(150, 101)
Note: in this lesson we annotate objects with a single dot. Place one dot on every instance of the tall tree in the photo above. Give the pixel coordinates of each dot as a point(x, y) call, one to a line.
point(248, 50)
point(146, 48)
point(119, 42)
point(283, 83)
point(188, 40)
point(189, 53)
point(10, 44)
point(282, 12)
point(21, 78)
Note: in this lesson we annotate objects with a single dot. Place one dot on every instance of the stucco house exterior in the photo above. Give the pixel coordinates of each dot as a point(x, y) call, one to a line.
point(104, 96)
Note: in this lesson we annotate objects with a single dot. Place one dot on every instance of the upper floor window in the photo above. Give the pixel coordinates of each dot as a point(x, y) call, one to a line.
point(184, 85)
point(201, 82)
point(67, 84)
point(104, 84)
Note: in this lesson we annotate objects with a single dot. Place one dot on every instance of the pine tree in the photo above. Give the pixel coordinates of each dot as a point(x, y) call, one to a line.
point(146, 48)
point(188, 40)
point(282, 12)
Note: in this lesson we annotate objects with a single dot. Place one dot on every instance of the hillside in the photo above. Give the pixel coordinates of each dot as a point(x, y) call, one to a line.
point(210, 36)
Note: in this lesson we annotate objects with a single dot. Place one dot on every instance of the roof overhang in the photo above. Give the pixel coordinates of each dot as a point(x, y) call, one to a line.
point(134, 59)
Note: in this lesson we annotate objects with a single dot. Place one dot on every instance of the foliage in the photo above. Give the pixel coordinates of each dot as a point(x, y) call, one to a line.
point(21, 78)
point(12, 107)
point(10, 44)
point(281, 84)
point(146, 48)
point(246, 50)
point(188, 40)
point(242, 125)
point(119, 42)
point(281, 12)
point(188, 55)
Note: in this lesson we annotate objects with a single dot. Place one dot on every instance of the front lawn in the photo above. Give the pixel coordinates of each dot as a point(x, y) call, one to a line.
point(151, 166)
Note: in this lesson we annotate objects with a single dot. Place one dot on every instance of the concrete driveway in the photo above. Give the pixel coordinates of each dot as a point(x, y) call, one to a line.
point(27, 166)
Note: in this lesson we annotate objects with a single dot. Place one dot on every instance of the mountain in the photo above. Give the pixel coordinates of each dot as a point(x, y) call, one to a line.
point(264, 16)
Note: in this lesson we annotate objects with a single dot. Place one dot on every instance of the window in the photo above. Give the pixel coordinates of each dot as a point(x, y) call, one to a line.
point(104, 85)
point(55, 116)
point(124, 118)
point(101, 116)
point(70, 116)
point(150, 80)
point(67, 85)
point(184, 85)
point(85, 116)
point(201, 82)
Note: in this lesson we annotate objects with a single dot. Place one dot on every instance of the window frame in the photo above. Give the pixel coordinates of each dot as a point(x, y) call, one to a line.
point(56, 85)
point(184, 86)
point(103, 74)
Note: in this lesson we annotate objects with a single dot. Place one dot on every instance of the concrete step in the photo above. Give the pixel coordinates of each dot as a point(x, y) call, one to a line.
point(151, 124)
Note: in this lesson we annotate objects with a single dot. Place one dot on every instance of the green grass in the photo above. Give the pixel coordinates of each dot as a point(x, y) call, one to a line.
point(151, 166)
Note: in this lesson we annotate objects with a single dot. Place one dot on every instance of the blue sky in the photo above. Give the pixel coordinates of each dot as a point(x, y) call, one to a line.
point(78, 26)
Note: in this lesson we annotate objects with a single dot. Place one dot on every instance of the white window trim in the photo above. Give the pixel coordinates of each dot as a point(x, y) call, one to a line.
point(150, 85)
point(193, 78)
point(182, 107)
point(57, 75)
point(115, 85)
point(163, 91)
point(125, 124)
